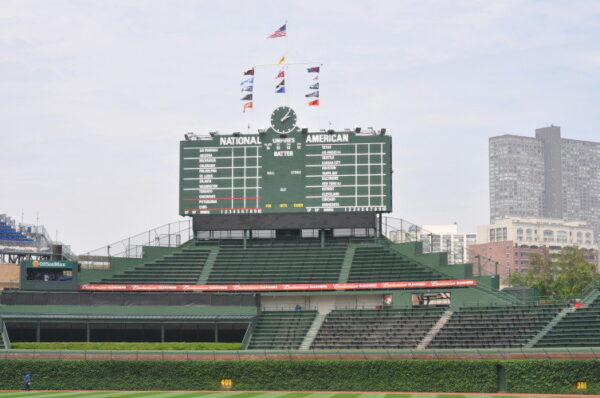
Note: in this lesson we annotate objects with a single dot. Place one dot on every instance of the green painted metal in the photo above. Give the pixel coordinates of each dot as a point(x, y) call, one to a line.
point(540, 335)
point(292, 173)
point(166, 310)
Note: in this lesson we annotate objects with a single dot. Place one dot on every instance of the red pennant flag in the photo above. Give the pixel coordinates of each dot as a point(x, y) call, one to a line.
point(280, 74)
point(248, 105)
point(249, 72)
point(314, 103)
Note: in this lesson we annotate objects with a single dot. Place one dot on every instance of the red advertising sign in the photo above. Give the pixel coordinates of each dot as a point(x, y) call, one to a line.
point(282, 287)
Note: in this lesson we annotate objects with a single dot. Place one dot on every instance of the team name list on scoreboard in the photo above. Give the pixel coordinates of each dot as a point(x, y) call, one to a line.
point(297, 173)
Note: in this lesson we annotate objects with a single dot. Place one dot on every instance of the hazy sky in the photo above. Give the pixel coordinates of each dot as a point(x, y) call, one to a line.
point(95, 95)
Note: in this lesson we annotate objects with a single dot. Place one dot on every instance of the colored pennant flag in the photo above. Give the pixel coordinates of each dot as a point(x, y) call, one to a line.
point(248, 97)
point(316, 77)
point(281, 83)
point(314, 103)
point(249, 72)
point(314, 86)
point(313, 94)
point(249, 80)
point(248, 105)
point(278, 33)
point(314, 69)
point(282, 60)
point(280, 74)
point(280, 90)
point(248, 88)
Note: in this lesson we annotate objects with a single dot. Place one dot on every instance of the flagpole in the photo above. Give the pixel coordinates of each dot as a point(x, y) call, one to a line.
point(286, 58)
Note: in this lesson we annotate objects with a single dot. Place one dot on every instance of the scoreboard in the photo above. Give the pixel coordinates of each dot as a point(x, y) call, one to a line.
point(286, 169)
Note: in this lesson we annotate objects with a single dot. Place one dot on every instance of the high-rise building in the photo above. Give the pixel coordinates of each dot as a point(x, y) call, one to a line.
point(545, 176)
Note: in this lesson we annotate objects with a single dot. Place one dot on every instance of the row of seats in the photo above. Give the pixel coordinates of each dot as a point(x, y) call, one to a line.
point(8, 233)
point(281, 329)
point(182, 267)
point(278, 262)
point(376, 263)
point(580, 328)
point(493, 327)
point(376, 329)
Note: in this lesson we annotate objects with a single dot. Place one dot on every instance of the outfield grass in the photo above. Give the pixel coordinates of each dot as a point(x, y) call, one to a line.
point(122, 346)
point(235, 394)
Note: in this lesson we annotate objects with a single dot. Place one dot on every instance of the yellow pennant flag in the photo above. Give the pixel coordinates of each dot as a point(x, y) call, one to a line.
point(282, 60)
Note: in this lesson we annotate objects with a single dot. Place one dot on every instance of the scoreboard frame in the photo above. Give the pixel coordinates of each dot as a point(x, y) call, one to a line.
point(296, 172)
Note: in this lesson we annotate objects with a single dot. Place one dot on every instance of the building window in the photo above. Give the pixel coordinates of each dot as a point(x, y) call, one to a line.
point(562, 236)
point(548, 235)
point(579, 237)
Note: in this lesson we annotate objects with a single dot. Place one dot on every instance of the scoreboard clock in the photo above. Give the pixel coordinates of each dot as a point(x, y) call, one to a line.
point(286, 170)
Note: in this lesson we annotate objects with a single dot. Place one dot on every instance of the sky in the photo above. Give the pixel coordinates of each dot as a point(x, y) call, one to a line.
point(96, 95)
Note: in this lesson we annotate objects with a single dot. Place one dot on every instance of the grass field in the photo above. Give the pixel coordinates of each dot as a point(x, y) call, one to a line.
point(237, 394)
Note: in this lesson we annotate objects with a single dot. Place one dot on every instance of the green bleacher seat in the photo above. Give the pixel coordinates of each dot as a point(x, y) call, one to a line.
point(376, 329)
point(377, 263)
point(281, 329)
point(580, 328)
point(181, 267)
point(494, 327)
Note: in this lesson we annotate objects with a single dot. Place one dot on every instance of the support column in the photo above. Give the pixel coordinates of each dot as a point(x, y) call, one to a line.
point(216, 333)
point(162, 332)
point(87, 332)
point(38, 328)
point(322, 232)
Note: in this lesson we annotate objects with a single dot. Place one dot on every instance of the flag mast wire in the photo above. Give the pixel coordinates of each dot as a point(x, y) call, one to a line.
point(285, 99)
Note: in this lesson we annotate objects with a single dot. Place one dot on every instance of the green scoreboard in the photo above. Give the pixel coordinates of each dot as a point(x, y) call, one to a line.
point(286, 169)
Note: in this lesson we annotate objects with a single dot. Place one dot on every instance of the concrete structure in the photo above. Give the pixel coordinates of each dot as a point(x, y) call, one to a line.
point(506, 245)
point(545, 176)
point(536, 232)
point(446, 238)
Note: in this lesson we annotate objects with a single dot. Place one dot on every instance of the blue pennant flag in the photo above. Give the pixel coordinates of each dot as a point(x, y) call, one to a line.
point(249, 80)
point(247, 88)
point(314, 86)
point(281, 89)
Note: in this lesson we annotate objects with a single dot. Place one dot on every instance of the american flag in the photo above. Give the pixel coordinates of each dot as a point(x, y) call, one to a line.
point(278, 33)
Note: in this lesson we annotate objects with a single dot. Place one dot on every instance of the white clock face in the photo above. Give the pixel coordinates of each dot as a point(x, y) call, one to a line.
point(283, 120)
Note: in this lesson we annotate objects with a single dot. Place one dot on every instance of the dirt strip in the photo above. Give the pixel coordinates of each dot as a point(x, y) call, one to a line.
point(492, 394)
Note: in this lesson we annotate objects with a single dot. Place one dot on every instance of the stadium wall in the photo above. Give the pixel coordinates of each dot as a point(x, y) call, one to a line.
point(9, 276)
point(525, 376)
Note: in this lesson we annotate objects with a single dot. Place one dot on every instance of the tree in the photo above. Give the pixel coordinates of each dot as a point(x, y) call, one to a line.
point(563, 276)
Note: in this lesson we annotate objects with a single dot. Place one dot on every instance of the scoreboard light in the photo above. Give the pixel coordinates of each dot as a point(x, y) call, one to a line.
point(286, 169)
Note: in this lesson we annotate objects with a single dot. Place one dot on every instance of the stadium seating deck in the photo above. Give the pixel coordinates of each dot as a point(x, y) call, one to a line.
point(8, 233)
point(373, 329)
point(281, 329)
point(580, 328)
point(376, 263)
point(493, 327)
point(182, 267)
point(278, 261)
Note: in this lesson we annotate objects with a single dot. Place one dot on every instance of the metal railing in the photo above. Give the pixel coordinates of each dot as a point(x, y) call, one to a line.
point(169, 235)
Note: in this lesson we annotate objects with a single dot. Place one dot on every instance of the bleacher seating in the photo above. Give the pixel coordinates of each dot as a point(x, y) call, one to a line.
point(580, 328)
point(493, 327)
point(281, 329)
point(376, 329)
point(278, 261)
point(376, 263)
point(181, 267)
point(10, 234)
